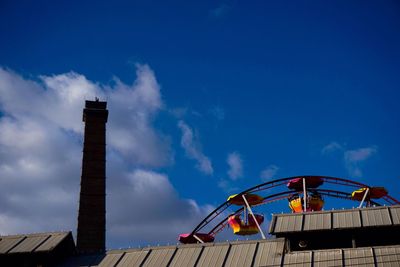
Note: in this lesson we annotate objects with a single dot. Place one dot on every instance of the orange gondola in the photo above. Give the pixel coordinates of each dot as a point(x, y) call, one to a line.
point(296, 203)
point(241, 228)
point(314, 203)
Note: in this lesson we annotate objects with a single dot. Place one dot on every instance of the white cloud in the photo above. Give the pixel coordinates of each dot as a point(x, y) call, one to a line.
point(193, 150)
point(360, 154)
point(331, 147)
point(156, 212)
point(41, 150)
point(132, 109)
point(60, 100)
point(269, 172)
point(354, 158)
point(235, 163)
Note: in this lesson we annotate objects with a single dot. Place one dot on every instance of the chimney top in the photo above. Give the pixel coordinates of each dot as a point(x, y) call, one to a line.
point(95, 104)
point(95, 109)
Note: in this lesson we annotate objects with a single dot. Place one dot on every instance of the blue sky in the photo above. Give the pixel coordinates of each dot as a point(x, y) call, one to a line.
point(208, 98)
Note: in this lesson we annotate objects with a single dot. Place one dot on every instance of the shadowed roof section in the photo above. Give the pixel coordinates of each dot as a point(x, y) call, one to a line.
point(39, 249)
point(31, 243)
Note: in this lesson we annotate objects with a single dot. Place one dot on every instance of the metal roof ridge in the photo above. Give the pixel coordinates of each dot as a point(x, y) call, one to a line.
point(334, 211)
point(341, 248)
point(182, 246)
point(35, 234)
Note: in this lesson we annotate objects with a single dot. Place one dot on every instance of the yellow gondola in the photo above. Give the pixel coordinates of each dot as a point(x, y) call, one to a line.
point(373, 193)
point(296, 205)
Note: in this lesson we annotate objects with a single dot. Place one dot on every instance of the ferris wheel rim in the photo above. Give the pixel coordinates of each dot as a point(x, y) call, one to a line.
point(278, 182)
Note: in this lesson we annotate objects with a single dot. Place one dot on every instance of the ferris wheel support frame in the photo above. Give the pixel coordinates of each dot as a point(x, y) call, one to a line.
point(254, 217)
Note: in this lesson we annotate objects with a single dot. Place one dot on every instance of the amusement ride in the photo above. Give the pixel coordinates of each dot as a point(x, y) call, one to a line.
point(303, 193)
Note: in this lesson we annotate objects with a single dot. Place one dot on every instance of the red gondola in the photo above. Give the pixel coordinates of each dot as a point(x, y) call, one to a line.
point(311, 182)
point(190, 239)
point(373, 193)
point(252, 199)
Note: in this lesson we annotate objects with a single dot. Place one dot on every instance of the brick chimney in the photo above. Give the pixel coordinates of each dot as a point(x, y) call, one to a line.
point(92, 202)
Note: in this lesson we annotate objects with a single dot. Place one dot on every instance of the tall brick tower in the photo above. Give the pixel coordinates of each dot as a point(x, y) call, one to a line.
point(92, 202)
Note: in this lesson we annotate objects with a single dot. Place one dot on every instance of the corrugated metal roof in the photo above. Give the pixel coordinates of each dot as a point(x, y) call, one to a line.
point(186, 256)
point(31, 242)
point(288, 223)
point(250, 253)
point(384, 256)
point(346, 219)
point(317, 221)
point(270, 253)
point(336, 219)
point(395, 212)
point(359, 257)
point(387, 256)
point(241, 255)
point(213, 255)
point(327, 258)
point(159, 257)
point(298, 259)
point(111, 259)
point(133, 258)
point(375, 217)
point(262, 252)
point(52, 242)
point(7, 243)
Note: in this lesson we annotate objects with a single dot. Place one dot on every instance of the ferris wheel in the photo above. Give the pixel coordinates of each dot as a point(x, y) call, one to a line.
point(303, 194)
